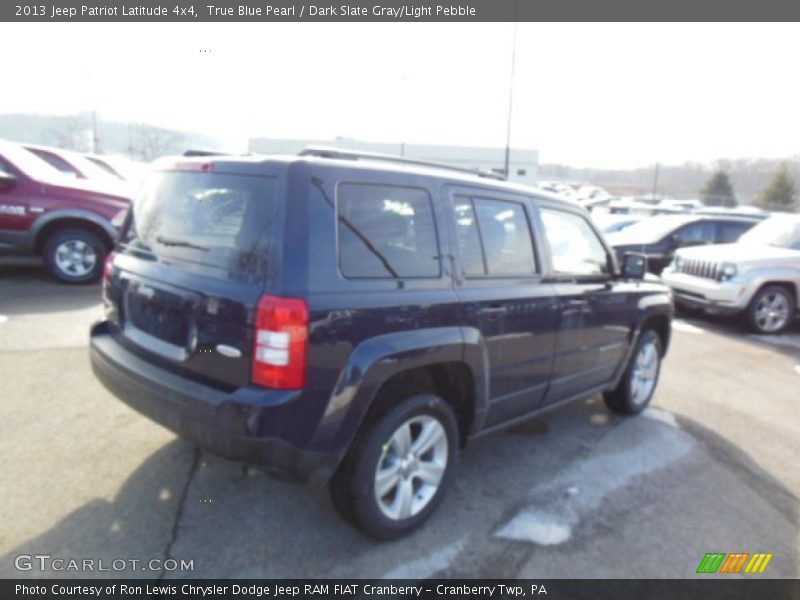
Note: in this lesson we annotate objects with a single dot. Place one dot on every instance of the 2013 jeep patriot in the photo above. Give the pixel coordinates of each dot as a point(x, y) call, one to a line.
point(356, 319)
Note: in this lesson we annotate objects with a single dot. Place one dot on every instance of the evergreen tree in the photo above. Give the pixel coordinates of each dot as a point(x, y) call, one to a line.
point(718, 190)
point(781, 193)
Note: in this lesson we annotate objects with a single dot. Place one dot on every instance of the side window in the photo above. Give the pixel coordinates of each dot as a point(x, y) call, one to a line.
point(702, 231)
point(386, 232)
point(494, 238)
point(730, 232)
point(469, 240)
point(574, 246)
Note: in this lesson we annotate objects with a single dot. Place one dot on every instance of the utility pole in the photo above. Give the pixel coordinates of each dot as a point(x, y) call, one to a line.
point(95, 140)
point(655, 181)
point(506, 167)
point(405, 96)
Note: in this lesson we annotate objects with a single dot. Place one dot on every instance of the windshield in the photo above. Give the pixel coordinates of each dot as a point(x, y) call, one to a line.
point(107, 168)
point(649, 230)
point(92, 170)
point(780, 231)
point(209, 219)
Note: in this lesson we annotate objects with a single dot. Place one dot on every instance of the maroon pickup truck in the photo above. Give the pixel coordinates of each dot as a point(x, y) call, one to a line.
point(71, 223)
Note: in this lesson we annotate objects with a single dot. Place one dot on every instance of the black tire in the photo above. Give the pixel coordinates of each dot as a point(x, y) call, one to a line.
point(757, 323)
point(353, 486)
point(75, 236)
point(624, 399)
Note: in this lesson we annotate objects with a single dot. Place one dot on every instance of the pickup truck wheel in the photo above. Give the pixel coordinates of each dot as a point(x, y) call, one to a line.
point(74, 255)
point(638, 384)
point(398, 474)
point(771, 310)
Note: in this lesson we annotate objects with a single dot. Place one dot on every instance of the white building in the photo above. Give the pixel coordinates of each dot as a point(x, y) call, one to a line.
point(523, 162)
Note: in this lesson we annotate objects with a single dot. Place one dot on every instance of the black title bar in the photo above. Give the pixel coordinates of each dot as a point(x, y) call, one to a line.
point(194, 11)
point(731, 588)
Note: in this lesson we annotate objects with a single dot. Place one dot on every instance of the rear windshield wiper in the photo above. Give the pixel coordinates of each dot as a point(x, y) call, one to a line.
point(385, 261)
point(179, 243)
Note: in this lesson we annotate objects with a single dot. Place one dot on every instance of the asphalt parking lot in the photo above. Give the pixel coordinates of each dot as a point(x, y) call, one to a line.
point(712, 467)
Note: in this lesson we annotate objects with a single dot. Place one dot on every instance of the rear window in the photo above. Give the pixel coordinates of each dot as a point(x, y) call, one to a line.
point(212, 219)
point(386, 232)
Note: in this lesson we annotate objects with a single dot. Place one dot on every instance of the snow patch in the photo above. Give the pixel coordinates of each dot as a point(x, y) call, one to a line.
point(537, 527)
point(633, 449)
point(679, 325)
point(661, 416)
point(425, 567)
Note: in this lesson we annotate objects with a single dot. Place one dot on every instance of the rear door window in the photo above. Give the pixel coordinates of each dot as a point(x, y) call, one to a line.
point(494, 238)
point(213, 219)
point(386, 232)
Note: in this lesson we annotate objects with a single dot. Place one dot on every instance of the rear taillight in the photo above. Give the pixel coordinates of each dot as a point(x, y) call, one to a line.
point(107, 269)
point(281, 343)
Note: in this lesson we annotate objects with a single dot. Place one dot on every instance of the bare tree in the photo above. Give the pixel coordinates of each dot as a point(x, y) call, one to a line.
point(72, 133)
point(151, 142)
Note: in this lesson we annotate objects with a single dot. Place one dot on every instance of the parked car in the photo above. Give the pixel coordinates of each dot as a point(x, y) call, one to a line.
point(658, 237)
point(610, 223)
point(106, 164)
point(356, 319)
point(120, 167)
point(740, 211)
point(76, 165)
point(758, 277)
point(72, 224)
point(671, 205)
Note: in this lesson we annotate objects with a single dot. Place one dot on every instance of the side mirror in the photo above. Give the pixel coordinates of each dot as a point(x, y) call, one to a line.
point(7, 180)
point(634, 265)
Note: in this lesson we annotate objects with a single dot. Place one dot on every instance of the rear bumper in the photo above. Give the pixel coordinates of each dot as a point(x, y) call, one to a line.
point(228, 424)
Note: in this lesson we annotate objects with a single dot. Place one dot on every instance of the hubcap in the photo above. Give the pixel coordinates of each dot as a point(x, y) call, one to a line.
point(645, 371)
point(411, 467)
point(76, 258)
point(772, 312)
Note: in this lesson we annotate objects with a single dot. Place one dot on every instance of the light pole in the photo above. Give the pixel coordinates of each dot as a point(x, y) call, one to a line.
point(95, 139)
point(406, 97)
point(655, 182)
point(506, 166)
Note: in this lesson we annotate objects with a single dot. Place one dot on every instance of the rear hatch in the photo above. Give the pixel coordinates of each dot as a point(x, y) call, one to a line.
point(194, 259)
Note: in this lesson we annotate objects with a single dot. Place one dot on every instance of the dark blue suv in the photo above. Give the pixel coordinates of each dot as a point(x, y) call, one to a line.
point(355, 319)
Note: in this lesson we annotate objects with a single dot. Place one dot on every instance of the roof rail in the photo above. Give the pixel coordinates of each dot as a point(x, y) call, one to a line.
point(329, 152)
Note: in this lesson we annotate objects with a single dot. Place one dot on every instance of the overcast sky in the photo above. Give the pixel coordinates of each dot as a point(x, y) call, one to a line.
point(602, 95)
